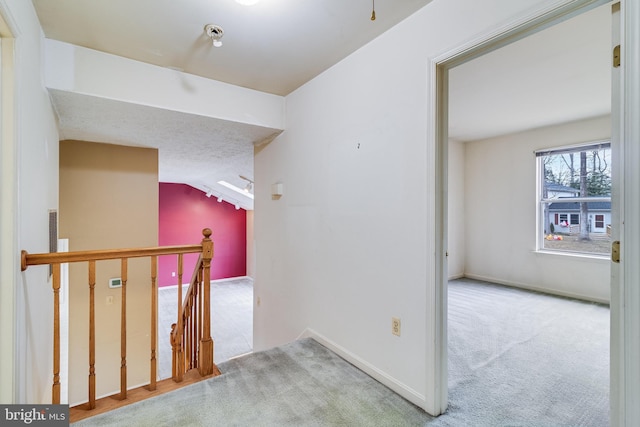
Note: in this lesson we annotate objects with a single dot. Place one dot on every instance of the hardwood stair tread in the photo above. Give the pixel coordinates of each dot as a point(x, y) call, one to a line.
point(109, 403)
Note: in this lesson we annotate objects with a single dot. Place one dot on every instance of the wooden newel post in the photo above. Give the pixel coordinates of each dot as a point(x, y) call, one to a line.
point(206, 344)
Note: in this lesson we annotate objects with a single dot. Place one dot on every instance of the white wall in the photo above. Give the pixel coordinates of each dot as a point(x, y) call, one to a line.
point(347, 246)
point(37, 192)
point(500, 206)
point(456, 210)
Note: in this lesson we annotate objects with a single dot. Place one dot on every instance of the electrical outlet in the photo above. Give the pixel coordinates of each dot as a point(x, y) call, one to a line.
point(395, 326)
point(173, 274)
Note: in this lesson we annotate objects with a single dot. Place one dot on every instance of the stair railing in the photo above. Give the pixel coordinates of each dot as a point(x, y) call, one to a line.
point(205, 344)
point(192, 345)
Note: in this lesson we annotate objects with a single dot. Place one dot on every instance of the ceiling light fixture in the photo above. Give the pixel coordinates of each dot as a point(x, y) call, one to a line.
point(373, 10)
point(236, 189)
point(249, 186)
point(247, 2)
point(215, 33)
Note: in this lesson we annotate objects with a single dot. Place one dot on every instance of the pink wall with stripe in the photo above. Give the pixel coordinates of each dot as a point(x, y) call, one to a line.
point(184, 212)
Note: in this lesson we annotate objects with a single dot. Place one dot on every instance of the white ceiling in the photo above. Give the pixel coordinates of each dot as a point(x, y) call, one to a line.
point(276, 46)
point(557, 75)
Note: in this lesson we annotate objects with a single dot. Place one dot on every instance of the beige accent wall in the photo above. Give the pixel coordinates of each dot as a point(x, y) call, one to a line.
point(108, 199)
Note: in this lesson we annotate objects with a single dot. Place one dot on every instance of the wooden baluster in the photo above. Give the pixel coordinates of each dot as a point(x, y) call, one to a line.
point(195, 342)
point(123, 332)
point(154, 323)
point(92, 335)
point(180, 320)
point(174, 354)
point(197, 330)
point(187, 343)
point(206, 345)
point(55, 389)
point(194, 325)
point(187, 346)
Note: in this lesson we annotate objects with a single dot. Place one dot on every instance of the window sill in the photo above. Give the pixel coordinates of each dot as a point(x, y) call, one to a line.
point(605, 258)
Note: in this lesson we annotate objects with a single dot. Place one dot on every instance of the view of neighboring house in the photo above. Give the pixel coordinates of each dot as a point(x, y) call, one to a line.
point(565, 216)
point(558, 191)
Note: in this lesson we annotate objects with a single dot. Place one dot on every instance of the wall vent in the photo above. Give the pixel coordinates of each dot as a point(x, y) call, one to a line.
point(53, 234)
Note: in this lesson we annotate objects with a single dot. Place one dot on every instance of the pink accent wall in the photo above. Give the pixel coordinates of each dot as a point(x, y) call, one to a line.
point(184, 212)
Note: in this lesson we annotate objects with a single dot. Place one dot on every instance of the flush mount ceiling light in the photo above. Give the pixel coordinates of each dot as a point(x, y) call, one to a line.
point(215, 33)
point(247, 2)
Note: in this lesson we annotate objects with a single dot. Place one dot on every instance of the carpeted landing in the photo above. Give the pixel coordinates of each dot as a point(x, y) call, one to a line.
point(299, 384)
point(516, 358)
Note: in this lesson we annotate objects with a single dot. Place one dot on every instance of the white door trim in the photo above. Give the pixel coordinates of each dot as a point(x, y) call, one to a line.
point(625, 320)
point(518, 28)
point(9, 259)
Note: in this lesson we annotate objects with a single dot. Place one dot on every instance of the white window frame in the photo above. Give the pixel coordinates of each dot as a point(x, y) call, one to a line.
point(541, 201)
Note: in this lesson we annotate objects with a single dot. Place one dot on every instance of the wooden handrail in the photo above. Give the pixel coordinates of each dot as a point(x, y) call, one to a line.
point(205, 343)
point(28, 259)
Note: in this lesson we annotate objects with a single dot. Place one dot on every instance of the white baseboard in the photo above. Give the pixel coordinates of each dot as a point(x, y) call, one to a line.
point(456, 276)
point(403, 390)
point(535, 288)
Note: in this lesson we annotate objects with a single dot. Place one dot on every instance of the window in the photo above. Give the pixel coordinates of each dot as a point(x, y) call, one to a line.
point(563, 219)
point(575, 199)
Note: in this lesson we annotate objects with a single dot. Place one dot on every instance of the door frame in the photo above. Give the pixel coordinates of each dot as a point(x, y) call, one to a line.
point(9, 253)
point(625, 290)
point(625, 351)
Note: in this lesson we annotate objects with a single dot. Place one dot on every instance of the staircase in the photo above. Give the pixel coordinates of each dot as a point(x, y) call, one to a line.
point(190, 337)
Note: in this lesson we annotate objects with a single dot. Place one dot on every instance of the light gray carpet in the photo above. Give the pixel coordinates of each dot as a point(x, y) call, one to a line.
point(299, 384)
point(519, 358)
point(231, 321)
point(516, 358)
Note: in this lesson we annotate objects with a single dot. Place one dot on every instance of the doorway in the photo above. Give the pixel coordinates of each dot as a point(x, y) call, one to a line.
point(492, 218)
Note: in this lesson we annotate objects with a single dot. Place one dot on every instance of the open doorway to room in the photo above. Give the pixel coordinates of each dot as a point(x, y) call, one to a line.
point(518, 354)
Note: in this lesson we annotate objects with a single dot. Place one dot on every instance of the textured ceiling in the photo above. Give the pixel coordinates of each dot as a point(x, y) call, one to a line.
point(196, 150)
